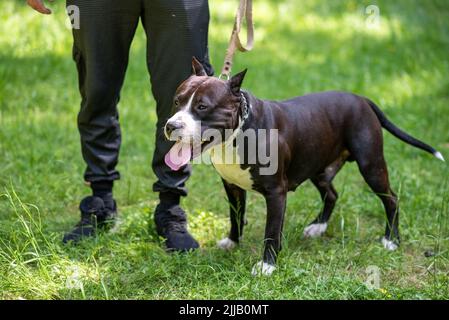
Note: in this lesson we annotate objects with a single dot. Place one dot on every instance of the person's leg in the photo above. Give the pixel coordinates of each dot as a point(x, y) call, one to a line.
point(177, 30)
point(100, 50)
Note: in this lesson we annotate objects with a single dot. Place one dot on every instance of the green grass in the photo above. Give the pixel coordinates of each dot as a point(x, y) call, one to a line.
point(302, 46)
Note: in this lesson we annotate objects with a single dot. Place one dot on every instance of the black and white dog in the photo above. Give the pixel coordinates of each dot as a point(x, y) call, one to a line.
point(315, 135)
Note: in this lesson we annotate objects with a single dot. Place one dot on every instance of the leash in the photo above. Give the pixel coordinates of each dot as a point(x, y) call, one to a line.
point(244, 12)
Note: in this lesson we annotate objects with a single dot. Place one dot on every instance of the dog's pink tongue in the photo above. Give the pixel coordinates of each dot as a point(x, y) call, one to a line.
point(178, 156)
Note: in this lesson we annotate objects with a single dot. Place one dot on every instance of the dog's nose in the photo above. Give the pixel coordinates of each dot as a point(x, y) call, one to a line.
point(171, 126)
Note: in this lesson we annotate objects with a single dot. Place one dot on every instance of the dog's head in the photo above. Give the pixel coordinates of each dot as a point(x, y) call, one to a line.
point(205, 108)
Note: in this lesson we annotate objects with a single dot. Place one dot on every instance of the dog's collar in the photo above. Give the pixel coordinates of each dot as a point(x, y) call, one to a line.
point(244, 107)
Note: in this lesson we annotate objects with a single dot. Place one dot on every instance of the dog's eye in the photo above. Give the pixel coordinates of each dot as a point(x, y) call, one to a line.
point(201, 107)
point(176, 102)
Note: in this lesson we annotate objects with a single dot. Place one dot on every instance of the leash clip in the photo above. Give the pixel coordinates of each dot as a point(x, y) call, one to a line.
point(224, 77)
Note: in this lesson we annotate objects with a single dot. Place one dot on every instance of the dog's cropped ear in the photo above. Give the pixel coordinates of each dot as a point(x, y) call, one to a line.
point(197, 68)
point(236, 82)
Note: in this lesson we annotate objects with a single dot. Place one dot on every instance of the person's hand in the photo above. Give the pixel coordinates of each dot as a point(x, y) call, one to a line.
point(39, 6)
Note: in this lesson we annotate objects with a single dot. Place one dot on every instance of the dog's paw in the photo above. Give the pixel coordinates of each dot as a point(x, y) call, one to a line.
point(263, 268)
point(389, 245)
point(315, 230)
point(226, 244)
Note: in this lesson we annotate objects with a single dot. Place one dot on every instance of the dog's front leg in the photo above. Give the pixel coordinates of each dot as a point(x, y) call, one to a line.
point(237, 203)
point(276, 202)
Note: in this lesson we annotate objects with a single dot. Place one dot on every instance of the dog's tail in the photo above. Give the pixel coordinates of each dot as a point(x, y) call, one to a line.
point(398, 133)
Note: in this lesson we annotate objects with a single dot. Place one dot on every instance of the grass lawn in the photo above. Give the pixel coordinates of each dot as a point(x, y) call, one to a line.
point(401, 63)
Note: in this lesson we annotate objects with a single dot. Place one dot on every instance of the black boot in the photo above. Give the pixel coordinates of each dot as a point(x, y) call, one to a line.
point(171, 223)
point(95, 213)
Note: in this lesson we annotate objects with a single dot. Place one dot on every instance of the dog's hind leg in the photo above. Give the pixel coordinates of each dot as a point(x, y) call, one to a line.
point(366, 146)
point(323, 182)
point(329, 197)
point(237, 203)
point(376, 175)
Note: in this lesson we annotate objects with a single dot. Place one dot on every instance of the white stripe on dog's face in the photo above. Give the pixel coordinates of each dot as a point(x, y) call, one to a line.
point(191, 128)
point(188, 106)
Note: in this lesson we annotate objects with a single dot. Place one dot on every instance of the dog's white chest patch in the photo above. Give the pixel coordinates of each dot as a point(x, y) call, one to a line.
point(226, 161)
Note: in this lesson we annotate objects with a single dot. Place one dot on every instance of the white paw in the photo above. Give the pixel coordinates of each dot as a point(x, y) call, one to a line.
point(389, 245)
point(315, 230)
point(226, 244)
point(262, 268)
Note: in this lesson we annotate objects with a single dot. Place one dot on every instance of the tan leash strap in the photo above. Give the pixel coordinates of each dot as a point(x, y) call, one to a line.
point(245, 11)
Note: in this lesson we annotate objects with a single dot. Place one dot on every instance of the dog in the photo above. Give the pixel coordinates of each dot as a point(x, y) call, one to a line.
point(316, 135)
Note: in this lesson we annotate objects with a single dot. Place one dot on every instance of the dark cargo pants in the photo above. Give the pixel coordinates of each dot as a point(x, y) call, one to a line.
point(176, 31)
